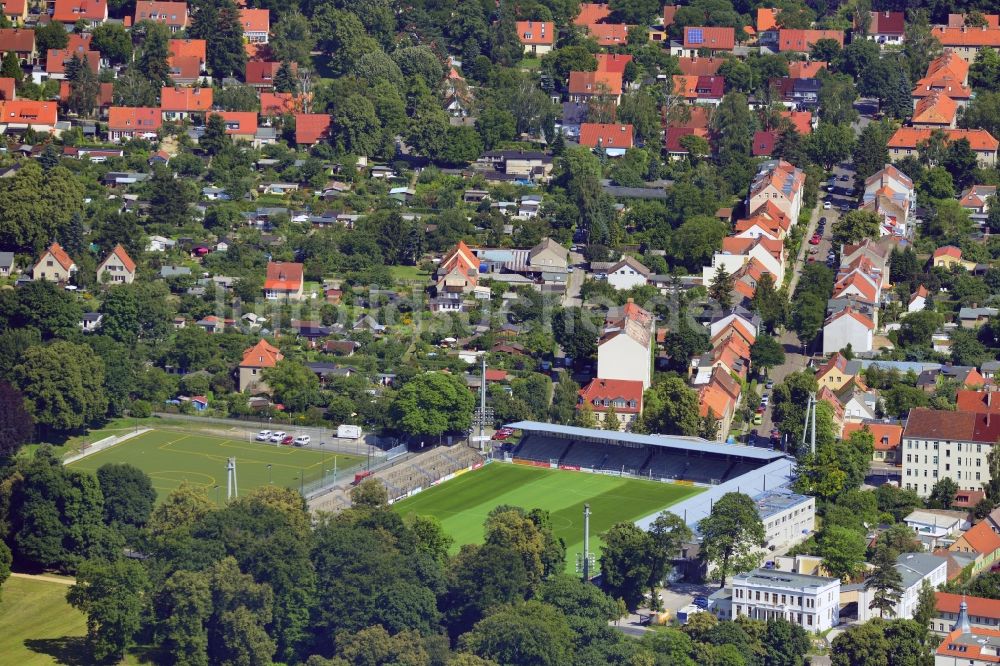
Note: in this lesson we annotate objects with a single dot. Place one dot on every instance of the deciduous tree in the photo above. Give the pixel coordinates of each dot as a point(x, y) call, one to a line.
point(732, 535)
point(112, 595)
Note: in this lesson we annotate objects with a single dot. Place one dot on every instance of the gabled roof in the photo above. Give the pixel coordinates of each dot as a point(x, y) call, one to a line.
point(852, 314)
point(981, 402)
point(261, 355)
point(71, 11)
point(764, 142)
point(58, 254)
point(606, 136)
point(13, 8)
point(976, 606)
point(982, 538)
point(630, 262)
point(609, 34)
point(179, 48)
point(123, 257)
point(935, 109)
point(255, 20)
point(887, 436)
point(966, 37)
point(948, 251)
point(614, 389)
point(767, 18)
point(889, 173)
point(173, 14)
point(835, 362)
point(185, 68)
point(805, 69)
point(702, 37)
point(18, 40)
point(909, 137)
point(311, 127)
point(239, 122)
point(803, 40)
point(612, 62)
point(923, 423)
point(669, 12)
point(699, 66)
point(185, 99)
point(976, 196)
point(887, 23)
point(858, 281)
point(536, 32)
point(592, 12)
point(57, 59)
point(712, 398)
point(7, 88)
point(283, 276)
point(134, 119)
point(276, 104)
point(800, 120)
point(28, 112)
point(948, 65)
point(595, 83)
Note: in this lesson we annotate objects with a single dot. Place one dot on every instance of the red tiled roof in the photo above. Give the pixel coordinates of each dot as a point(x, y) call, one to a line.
point(57, 59)
point(935, 109)
point(7, 86)
point(977, 606)
point(173, 14)
point(612, 62)
point(613, 389)
point(283, 276)
point(977, 401)
point(801, 120)
point(982, 538)
point(261, 355)
point(967, 37)
point(609, 34)
point(239, 122)
point(134, 119)
point(185, 68)
point(923, 423)
point(179, 48)
point(712, 397)
point(805, 69)
point(595, 83)
point(763, 143)
point(887, 23)
point(59, 255)
point(909, 137)
point(767, 18)
point(71, 11)
point(803, 40)
point(698, 117)
point(699, 66)
point(185, 99)
point(29, 112)
point(17, 40)
point(607, 135)
point(255, 20)
point(276, 104)
point(675, 134)
point(718, 39)
point(948, 251)
point(669, 11)
point(14, 8)
point(122, 255)
point(887, 436)
point(311, 127)
point(591, 13)
point(855, 315)
point(536, 32)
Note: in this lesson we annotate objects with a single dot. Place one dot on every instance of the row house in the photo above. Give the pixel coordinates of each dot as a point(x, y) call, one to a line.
point(707, 90)
point(948, 74)
point(766, 221)
point(180, 103)
point(174, 15)
point(624, 350)
point(704, 40)
point(133, 123)
point(587, 86)
point(91, 12)
point(967, 41)
point(739, 251)
point(21, 42)
point(56, 61)
point(906, 141)
point(890, 194)
point(934, 111)
point(720, 398)
point(781, 183)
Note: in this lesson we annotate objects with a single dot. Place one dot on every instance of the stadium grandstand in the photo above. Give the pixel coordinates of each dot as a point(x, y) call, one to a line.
point(722, 468)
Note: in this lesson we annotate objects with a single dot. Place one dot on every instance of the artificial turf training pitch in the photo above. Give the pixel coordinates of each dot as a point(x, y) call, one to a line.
point(462, 504)
point(171, 457)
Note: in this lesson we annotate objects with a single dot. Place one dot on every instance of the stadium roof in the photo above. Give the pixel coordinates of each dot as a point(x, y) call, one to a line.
point(666, 441)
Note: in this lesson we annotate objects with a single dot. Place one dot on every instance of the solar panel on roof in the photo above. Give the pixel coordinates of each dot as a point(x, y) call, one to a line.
point(695, 35)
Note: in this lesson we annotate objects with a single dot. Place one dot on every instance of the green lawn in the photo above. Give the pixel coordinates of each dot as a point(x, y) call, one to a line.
point(38, 627)
point(170, 457)
point(408, 274)
point(463, 503)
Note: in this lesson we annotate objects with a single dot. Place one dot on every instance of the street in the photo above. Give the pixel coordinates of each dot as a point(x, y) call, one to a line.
point(574, 281)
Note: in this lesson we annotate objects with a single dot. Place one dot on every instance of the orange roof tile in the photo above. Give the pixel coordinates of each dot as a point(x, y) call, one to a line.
point(17, 40)
point(122, 255)
point(134, 119)
point(7, 88)
point(887, 436)
point(909, 137)
point(272, 103)
point(187, 48)
point(605, 135)
point(611, 390)
point(713, 398)
point(242, 123)
point(173, 14)
point(699, 66)
point(185, 99)
point(976, 606)
point(801, 120)
point(261, 355)
point(982, 538)
point(713, 38)
point(311, 127)
point(71, 11)
point(536, 32)
point(57, 59)
point(967, 37)
point(57, 252)
point(612, 62)
point(805, 69)
point(29, 112)
point(591, 13)
point(283, 276)
point(803, 40)
point(853, 314)
point(935, 109)
point(609, 34)
point(255, 20)
point(767, 18)
point(14, 8)
point(595, 83)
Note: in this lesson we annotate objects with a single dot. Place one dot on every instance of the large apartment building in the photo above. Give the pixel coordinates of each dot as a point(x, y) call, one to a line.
point(938, 444)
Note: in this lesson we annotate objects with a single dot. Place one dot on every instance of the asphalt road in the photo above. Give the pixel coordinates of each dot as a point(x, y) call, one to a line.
point(574, 281)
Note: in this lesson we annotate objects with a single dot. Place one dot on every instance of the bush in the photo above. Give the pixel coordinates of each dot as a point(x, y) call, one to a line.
point(141, 409)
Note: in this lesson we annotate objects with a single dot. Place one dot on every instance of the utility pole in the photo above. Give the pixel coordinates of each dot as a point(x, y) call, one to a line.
point(232, 489)
point(584, 562)
point(809, 426)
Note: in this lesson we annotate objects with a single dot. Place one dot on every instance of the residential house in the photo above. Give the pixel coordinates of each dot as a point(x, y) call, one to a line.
point(548, 255)
point(976, 200)
point(968, 400)
point(15, 10)
point(697, 66)
point(801, 93)
point(609, 34)
point(918, 300)
point(973, 318)
point(834, 373)
point(906, 139)
point(938, 444)
point(117, 268)
point(887, 28)
point(592, 13)
point(21, 114)
point(981, 613)
point(284, 281)
point(767, 221)
point(805, 69)
point(256, 25)
point(935, 111)
point(781, 183)
point(457, 276)
point(6, 264)
point(739, 251)
point(613, 139)
point(982, 542)
point(21, 42)
point(91, 12)
point(621, 395)
point(720, 398)
point(948, 256)
point(211, 324)
point(127, 122)
point(698, 40)
point(612, 62)
point(967, 42)
point(172, 14)
point(178, 103)
point(860, 402)
point(587, 86)
point(260, 74)
point(256, 359)
point(747, 320)
point(538, 37)
point(7, 89)
point(947, 73)
point(624, 351)
point(848, 327)
point(802, 41)
point(240, 125)
point(311, 128)
point(913, 569)
point(626, 273)
point(54, 265)
point(812, 602)
point(701, 90)
point(279, 104)
point(887, 437)
point(57, 59)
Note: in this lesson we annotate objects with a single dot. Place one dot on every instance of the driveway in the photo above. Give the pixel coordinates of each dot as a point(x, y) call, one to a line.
point(574, 281)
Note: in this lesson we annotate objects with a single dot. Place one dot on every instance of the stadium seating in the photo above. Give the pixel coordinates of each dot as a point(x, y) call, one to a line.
point(542, 449)
point(424, 469)
point(587, 454)
point(629, 458)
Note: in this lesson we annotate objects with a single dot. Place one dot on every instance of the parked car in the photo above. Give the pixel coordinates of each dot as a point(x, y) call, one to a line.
point(302, 440)
point(287, 440)
point(263, 435)
point(827, 205)
point(277, 436)
point(769, 385)
point(701, 601)
point(814, 240)
point(758, 419)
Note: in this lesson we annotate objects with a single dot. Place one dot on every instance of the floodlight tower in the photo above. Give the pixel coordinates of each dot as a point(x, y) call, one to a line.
point(232, 489)
point(585, 560)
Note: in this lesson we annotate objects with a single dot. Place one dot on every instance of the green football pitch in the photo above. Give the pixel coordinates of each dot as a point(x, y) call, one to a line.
point(171, 457)
point(462, 504)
